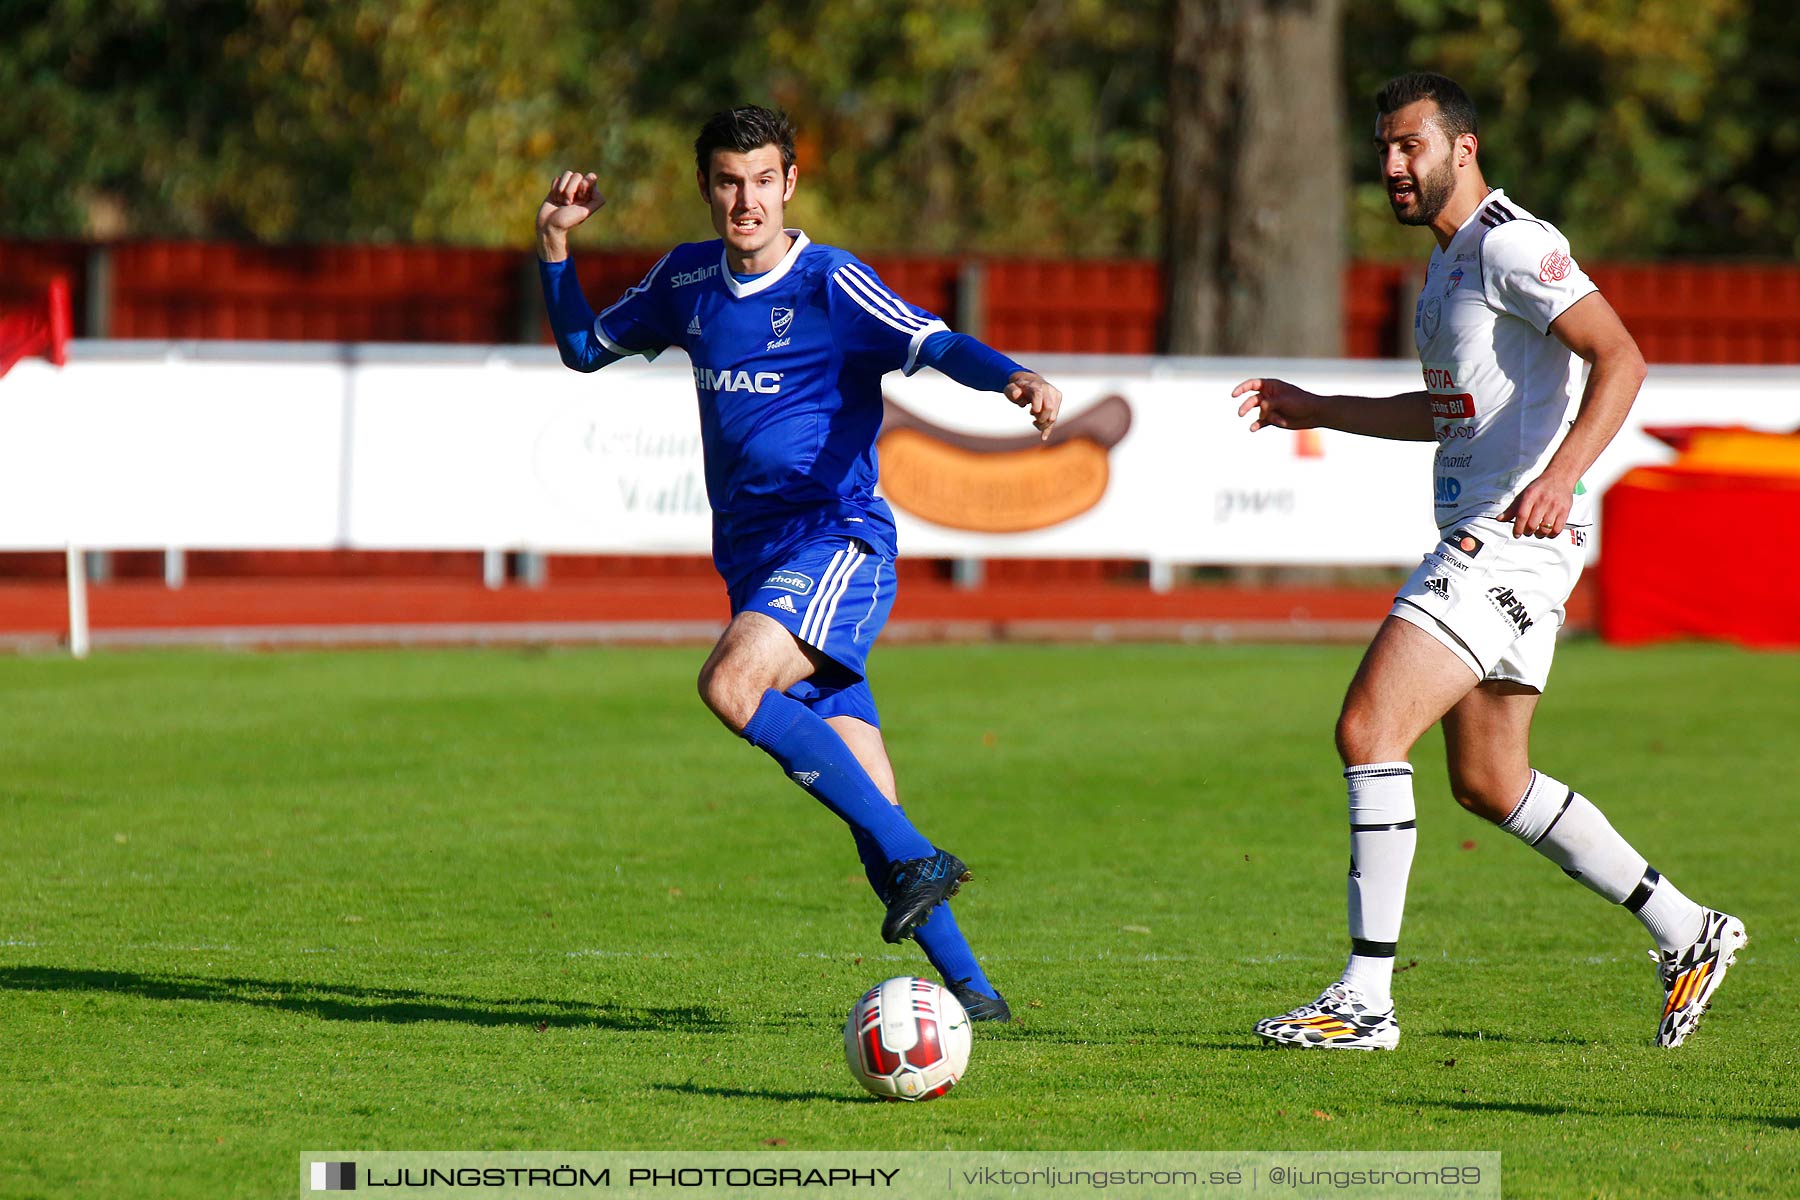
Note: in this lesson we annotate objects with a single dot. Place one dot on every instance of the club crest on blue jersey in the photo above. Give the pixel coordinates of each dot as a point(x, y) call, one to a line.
point(792, 581)
point(781, 320)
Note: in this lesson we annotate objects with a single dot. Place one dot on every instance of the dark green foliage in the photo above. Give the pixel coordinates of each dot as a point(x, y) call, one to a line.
point(1644, 127)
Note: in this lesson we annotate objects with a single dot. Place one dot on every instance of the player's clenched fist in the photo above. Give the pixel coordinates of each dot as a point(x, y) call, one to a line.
point(573, 198)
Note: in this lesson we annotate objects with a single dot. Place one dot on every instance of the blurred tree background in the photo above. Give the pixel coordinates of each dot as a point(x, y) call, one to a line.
point(1645, 128)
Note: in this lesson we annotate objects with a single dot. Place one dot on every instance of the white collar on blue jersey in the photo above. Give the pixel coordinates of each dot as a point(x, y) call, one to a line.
point(769, 278)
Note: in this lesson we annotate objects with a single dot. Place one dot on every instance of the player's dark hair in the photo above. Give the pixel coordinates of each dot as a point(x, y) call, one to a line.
point(1455, 111)
point(743, 129)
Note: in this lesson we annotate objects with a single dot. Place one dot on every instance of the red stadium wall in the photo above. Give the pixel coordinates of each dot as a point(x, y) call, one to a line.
point(1680, 312)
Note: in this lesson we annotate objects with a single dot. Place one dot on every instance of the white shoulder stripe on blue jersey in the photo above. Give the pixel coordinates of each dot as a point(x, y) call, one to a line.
point(873, 288)
point(642, 285)
point(910, 327)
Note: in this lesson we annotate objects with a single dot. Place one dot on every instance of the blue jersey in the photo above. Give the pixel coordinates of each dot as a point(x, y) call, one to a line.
point(788, 368)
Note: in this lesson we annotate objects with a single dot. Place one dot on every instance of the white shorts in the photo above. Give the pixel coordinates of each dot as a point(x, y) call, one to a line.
point(1495, 600)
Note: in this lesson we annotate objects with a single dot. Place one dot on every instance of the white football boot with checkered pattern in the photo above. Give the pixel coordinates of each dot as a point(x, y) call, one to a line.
point(1691, 975)
point(1340, 1019)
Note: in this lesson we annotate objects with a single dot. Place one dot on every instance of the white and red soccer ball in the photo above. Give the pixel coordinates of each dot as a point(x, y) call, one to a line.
point(907, 1039)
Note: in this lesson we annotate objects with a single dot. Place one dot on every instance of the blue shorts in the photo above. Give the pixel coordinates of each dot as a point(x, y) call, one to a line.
point(834, 594)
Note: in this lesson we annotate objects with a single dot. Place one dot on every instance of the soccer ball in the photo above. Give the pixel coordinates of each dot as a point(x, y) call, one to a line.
point(907, 1039)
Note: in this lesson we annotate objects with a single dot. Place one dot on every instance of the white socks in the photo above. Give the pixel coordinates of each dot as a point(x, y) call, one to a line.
point(1552, 819)
point(1672, 919)
point(1559, 823)
point(1383, 834)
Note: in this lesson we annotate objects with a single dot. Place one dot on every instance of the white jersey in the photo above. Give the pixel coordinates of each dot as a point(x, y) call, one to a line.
point(1501, 384)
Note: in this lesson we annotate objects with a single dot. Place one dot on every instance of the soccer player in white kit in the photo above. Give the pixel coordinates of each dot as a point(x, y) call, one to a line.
point(1470, 636)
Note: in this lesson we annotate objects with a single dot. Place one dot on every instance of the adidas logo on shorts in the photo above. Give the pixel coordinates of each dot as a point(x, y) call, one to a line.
point(784, 604)
point(1438, 586)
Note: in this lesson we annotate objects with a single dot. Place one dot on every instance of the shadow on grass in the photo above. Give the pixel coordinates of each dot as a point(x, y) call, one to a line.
point(725, 1093)
point(340, 1002)
point(1570, 1110)
point(1229, 1043)
point(1480, 1035)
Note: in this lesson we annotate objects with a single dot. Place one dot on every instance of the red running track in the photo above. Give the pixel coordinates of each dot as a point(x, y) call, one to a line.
point(389, 610)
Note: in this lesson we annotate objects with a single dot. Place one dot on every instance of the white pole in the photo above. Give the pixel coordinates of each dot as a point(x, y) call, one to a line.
point(78, 612)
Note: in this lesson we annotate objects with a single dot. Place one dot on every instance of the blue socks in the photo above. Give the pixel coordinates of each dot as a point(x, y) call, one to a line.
point(939, 936)
point(815, 757)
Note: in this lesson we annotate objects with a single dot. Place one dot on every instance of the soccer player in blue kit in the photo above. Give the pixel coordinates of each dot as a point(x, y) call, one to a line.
point(789, 340)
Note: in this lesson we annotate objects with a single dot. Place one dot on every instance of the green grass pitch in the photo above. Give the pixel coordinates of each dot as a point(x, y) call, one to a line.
point(462, 900)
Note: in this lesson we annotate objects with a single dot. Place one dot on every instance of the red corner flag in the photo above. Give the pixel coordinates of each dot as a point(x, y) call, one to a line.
point(42, 331)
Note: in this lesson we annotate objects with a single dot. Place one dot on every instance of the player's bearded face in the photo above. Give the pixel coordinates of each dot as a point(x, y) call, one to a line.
point(1418, 199)
point(1416, 166)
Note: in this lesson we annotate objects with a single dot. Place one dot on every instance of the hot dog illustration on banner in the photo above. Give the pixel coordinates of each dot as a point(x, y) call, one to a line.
point(989, 484)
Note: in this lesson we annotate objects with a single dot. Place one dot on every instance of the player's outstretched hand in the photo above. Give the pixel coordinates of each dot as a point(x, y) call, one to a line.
point(1029, 390)
point(573, 198)
point(1542, 509)
point(1278, 404)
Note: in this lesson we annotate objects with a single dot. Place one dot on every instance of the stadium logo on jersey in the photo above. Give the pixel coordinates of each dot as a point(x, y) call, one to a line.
point(1438, 586)
point(1449, 487)
point(784, 604)
point(1555, 268)
point(780, 320)
point(1467, 542)
point(792, 581)
point(683, 278)
point(1510, 607)
point(708, 380)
